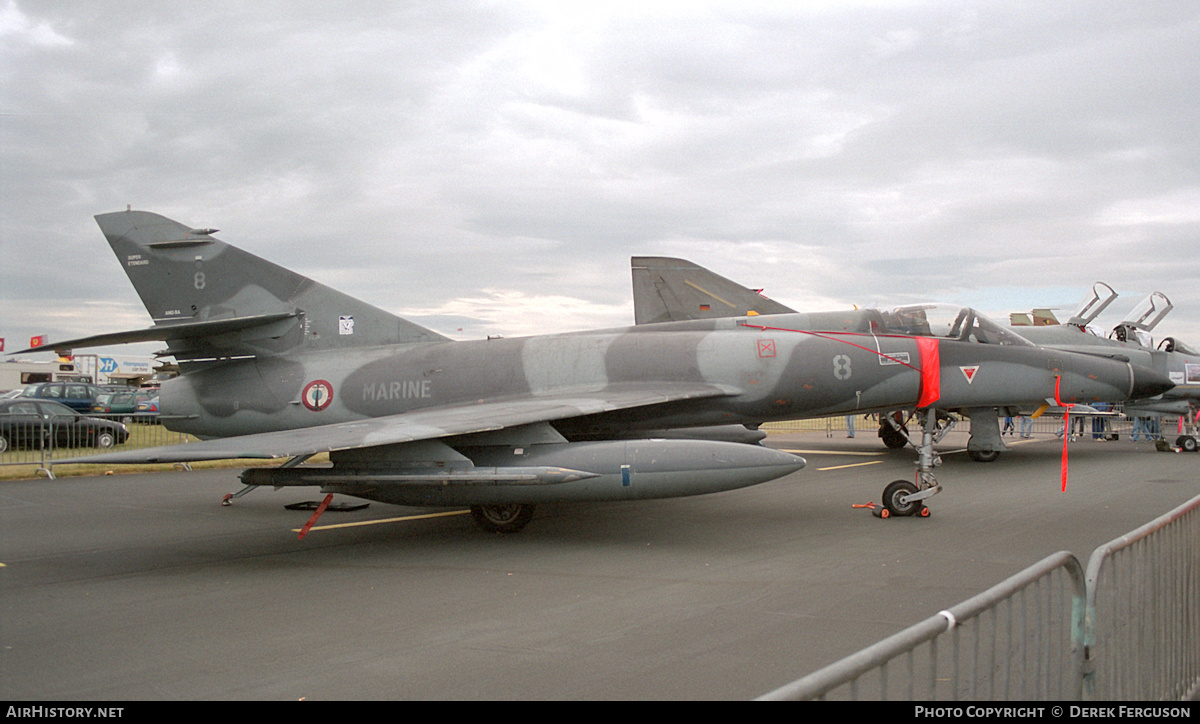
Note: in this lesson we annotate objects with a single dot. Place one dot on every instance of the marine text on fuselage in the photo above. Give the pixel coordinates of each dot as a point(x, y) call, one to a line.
point(398, 390)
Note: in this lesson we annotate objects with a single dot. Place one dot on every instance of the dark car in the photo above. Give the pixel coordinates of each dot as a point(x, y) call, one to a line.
point(122, 404)
point(127, 405)
point(78, 396)
point(37, 423)
point(115, 403)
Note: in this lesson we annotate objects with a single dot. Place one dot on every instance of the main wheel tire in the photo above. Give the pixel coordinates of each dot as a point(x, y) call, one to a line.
point(892, 437)
point(893, 494)
point(983, 456)
point(1188, 443)
point(502, 518)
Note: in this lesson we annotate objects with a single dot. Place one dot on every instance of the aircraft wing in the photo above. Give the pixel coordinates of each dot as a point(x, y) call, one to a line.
point(425, 424)
point(169, 332)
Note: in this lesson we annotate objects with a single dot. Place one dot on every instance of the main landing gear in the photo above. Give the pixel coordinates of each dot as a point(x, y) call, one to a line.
point(907, 497)
point(502, 518)
point(892, 430)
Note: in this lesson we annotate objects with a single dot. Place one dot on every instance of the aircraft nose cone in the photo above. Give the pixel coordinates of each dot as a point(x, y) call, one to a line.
point(1148, 383)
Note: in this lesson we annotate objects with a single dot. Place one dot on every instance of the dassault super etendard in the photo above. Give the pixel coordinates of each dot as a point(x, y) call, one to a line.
point(276, 365)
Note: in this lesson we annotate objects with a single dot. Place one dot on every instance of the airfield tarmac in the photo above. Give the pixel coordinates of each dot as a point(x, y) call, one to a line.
point(142, 587)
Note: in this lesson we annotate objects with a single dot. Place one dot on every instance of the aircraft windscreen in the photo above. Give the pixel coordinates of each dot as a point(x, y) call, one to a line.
point(949, 322)
point(1170, 344)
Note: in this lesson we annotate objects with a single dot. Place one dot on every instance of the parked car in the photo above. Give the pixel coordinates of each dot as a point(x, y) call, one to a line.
point(78, 396)
point(122, 404)
point(147, 411)
point(36, 423)
point(115, 403)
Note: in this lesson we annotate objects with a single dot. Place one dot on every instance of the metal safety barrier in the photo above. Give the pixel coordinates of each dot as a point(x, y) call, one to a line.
point(1143, 611)
point(1083, 427)
point(1128, 630)
point(1013, 641)
point(39, 444)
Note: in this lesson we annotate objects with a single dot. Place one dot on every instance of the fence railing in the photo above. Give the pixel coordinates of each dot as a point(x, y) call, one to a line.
point(1143, 611)
point(1129, 629)
point(1084, 427)
point(1013, 641)
point(40, 443)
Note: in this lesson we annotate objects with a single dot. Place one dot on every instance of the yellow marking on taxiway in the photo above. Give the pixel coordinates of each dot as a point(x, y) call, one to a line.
point(833, 452)
point(1010, 443)
point(851, 465)
point(384, 520)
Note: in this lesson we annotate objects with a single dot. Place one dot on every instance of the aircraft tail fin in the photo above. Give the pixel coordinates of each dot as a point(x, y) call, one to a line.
point(223, 301)
point(666, 289)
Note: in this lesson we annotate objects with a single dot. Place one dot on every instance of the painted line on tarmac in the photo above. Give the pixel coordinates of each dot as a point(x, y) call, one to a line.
point(384, 520)
point(833, 452)
point(851, 465)
point(1011, 443)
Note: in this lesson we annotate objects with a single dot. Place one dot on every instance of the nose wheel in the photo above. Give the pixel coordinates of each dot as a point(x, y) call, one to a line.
point(899, 499)
point(902, 498)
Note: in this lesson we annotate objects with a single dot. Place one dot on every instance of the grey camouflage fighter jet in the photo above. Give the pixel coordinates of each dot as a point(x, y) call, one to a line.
point(671, 289)
point(1130, 340)
point(276, 365)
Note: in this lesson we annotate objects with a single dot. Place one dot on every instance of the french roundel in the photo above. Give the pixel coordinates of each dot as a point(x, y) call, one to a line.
point(317, 395)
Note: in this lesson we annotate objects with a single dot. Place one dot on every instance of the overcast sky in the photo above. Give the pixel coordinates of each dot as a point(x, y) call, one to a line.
point(490, 167)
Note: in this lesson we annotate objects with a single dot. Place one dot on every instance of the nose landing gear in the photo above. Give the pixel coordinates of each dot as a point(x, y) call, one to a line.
point(905, 497)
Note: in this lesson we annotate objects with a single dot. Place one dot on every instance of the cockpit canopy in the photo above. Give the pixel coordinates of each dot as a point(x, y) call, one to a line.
point(1170, 344)
point(947, 321)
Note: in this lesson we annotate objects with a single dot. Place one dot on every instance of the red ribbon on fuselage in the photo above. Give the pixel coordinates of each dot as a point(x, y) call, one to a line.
point(931, 371)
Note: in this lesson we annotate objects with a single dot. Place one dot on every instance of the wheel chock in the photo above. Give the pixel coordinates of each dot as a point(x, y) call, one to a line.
point(881, 511)
point(877, 510)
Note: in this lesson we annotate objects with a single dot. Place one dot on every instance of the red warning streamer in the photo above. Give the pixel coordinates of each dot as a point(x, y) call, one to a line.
point(1066, 428)
point(311, 521)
